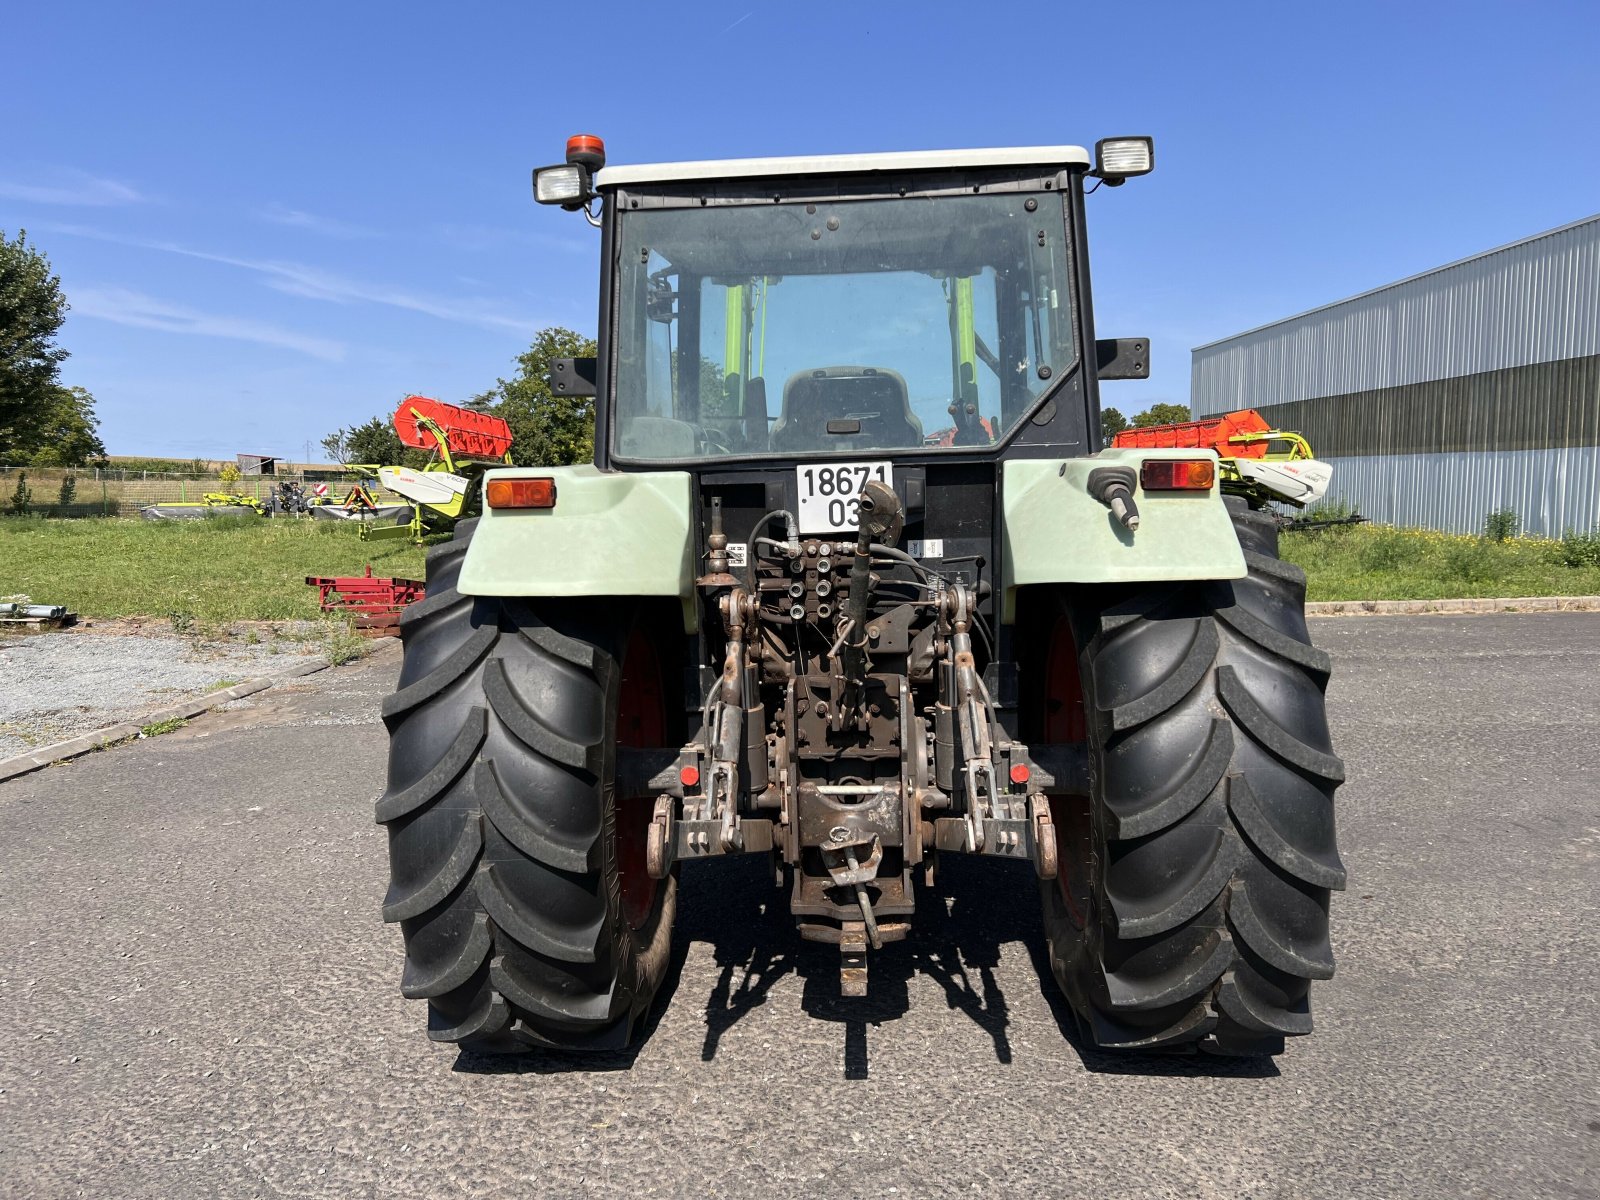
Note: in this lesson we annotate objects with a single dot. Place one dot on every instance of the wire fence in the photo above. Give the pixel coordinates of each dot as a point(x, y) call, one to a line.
point(113, 492)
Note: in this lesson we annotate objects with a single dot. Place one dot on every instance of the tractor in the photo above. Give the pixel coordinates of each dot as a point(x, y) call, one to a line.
point(852, 584)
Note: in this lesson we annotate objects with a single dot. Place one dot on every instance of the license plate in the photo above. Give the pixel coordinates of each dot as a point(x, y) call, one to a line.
point(830, 494)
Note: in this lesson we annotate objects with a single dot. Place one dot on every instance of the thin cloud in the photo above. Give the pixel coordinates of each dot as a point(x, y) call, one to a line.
point(295, 218)
point(477, 239)
point(298, 279)
point(123, 306)
point(76, 188)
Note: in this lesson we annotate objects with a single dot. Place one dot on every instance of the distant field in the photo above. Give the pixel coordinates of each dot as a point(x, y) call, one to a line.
point(216, 570)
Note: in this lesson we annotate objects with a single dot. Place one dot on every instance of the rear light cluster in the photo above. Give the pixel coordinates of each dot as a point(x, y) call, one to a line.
point(521, 493)
point(1177, 474)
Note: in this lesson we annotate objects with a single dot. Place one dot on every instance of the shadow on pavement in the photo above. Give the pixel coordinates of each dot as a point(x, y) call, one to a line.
point(955, 940)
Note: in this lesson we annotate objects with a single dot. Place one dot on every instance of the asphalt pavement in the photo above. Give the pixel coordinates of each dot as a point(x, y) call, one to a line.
point(200, 999)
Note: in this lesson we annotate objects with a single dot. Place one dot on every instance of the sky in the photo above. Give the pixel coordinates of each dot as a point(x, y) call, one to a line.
point(275, 220)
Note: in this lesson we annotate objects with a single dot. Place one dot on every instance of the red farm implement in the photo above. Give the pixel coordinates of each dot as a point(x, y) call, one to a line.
point(373, 603)
point(1257, 462)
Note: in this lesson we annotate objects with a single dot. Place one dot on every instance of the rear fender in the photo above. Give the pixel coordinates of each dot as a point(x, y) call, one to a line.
point(1056, 532)
point(609, 534)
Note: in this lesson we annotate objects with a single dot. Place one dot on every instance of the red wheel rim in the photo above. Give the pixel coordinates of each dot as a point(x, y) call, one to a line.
point(1066, 721)
point(641, 721)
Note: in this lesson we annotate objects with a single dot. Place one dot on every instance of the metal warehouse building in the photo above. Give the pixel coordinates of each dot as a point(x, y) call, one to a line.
point(1445, 396)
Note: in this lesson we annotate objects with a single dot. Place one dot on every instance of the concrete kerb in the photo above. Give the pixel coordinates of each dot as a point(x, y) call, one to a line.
point(1413, 608)
point(194, 706)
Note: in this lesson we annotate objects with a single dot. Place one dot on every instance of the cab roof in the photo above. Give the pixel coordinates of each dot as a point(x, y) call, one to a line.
point(844, 164)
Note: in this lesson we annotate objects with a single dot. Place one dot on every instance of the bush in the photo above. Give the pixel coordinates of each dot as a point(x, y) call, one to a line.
point(1473, 562)
point(68, 494)
point(21, 499)
point(1386, 550)
point(1577, 549)
point(1500, 525)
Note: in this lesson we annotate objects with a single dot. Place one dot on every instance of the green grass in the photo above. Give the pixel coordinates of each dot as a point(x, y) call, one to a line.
point(200, 575)
point(196, 574)
point(157, 728)
point(1376, 562)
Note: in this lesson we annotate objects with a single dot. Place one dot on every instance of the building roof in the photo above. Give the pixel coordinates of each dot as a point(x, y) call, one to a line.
point(1409, 279)
point(840, 164)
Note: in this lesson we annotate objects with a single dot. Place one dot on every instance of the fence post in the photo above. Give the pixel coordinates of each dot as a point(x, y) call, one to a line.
point(105, 504)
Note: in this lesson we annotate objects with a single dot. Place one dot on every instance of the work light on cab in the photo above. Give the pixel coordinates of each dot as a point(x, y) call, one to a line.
point(1119, 159)
point(570, 184)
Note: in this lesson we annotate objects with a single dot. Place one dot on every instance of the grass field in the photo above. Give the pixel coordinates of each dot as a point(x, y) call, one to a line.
point(244, 568)
point(216, 570)
point(1376, 562)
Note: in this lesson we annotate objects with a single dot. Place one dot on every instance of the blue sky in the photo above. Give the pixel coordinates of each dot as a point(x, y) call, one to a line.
point(272, 220)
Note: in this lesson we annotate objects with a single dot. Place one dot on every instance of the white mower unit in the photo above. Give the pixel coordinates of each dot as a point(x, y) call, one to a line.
point(1302, 482)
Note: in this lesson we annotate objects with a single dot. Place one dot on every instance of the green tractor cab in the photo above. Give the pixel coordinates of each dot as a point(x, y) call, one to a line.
point(852, 584)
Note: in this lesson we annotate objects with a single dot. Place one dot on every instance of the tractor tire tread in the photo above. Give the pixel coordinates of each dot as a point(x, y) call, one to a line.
point(500, 823)
point(1209, 914)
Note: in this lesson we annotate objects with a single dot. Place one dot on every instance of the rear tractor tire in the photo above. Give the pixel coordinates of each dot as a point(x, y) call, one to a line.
point(1191, 908)
point(516, 872)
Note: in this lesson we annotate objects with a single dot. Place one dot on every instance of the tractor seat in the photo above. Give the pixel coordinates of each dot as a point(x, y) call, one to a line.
point(874, 399)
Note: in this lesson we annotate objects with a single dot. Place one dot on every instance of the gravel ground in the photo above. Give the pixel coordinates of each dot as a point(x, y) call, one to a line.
point(55, 686)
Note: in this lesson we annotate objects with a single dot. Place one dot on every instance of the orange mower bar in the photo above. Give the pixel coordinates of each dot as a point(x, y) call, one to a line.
point(1227, 435)
point(470, 434)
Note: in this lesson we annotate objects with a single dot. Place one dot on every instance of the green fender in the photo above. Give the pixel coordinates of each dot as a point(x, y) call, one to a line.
point(1055, 532)
point(609, 534)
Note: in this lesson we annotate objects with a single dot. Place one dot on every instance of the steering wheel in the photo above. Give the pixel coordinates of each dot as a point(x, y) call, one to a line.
point(715, 439)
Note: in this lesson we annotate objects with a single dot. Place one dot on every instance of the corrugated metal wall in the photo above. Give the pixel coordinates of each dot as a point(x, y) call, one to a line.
point(1549, 404)
point(1442, 397)
point(1551, 490)
point(1533, 301)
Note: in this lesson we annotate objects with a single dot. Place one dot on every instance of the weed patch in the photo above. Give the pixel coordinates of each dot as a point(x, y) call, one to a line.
point(1376, 562)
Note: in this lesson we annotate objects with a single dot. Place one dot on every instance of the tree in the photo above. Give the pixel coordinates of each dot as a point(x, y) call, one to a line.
point(1161, 414)
point(22, 498)
point(1112, 423)
point(377, 442)
point(337, 445)
point(32, 309)
point(59, 431)
point(549, 430)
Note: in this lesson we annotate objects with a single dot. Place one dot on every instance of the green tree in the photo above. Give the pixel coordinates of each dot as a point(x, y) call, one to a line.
point(549, 430)
point(22, 498)
point(1161, 414)
point(337, 445)
point(1112, 423)
point(375, 442)
point(60, 431)
point(32, 309)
